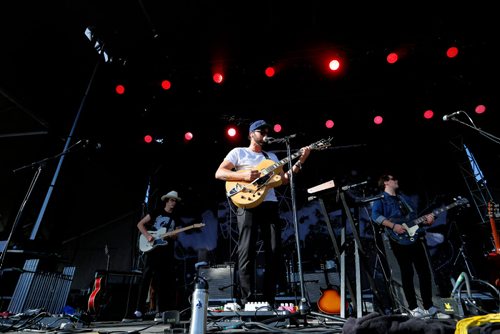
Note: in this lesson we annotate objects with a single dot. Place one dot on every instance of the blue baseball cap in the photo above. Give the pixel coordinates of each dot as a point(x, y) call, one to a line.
point(258, 125)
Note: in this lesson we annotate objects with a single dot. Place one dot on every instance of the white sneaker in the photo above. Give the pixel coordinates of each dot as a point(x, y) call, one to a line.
point(417, 312)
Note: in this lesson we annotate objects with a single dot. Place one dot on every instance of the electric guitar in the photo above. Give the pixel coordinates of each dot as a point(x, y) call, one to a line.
point(98, 296)
point(160, 236)
point(250, 194)
point(494, 256)
point(413, 227)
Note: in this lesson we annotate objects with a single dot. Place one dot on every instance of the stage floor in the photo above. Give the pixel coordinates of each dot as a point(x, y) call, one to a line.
point(312, 323)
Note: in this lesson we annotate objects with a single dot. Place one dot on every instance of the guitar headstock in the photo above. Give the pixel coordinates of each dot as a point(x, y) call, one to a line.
point(321, 144)
point(461, 201)
point(493, 210)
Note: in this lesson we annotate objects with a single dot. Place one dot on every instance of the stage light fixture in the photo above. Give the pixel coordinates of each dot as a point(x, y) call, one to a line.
point(270, 72)
point(218, 78)
point(98, 44)
point(392, 57)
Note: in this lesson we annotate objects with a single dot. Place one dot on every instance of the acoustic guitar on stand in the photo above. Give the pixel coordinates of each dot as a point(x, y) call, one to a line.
point(98, 298)
point(329, 302)
point(248, 195)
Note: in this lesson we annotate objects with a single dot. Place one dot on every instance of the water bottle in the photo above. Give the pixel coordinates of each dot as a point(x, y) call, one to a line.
point(199, 304)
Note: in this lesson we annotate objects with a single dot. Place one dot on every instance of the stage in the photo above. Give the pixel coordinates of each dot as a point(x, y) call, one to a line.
point(312, 323)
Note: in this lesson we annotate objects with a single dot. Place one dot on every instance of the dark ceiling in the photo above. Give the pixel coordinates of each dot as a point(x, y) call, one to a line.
point(53, 84)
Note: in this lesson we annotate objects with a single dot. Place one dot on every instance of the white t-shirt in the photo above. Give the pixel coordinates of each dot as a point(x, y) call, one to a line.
point(244, 158)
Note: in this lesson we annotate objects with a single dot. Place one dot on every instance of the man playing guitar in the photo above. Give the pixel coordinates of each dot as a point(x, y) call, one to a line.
point(390, 212)
point(241, 164)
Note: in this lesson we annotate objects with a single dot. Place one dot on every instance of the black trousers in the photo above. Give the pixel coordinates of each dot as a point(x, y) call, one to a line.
point(410, 258)
point(159, 274)
point(264, 218)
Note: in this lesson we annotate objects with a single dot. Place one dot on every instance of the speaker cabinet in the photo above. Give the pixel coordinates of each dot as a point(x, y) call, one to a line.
point(221, 282)
point(314, 281)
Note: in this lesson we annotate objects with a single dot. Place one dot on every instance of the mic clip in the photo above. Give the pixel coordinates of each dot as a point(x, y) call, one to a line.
point(279, 140)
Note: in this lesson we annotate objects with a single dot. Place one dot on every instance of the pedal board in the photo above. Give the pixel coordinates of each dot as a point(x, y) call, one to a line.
point(247, 314)
point(231, 319)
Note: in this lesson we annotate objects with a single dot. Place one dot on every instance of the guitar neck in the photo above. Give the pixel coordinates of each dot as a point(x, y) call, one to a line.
point(281, 163)
point(435, 212)
point(179, 230)
point(494, 231)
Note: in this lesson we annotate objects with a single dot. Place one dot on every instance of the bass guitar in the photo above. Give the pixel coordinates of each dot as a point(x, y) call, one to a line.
point(494, 256)
point(160, 236)
point(250, 194)
point(414, 228)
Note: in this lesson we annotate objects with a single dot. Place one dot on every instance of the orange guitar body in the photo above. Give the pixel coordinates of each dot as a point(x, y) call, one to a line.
point(329, 302)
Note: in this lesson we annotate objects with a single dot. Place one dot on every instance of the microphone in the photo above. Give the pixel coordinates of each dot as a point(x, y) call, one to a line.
point(344, 188)
point(369, 199)
point(270, 140)
point(87, 143)
point(452, 115)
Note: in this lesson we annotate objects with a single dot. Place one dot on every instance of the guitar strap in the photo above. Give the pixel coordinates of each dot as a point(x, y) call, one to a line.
point(265, 154)
point(404, 206)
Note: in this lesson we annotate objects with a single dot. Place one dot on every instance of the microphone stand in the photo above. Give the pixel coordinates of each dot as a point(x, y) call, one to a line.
point(491, 137)
point(34, 180)
point(304, 305)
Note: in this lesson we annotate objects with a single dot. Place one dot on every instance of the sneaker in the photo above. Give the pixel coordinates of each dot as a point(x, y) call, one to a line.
point(434, 312)
point(418, 312)
point(158, 317)
point(136, 316)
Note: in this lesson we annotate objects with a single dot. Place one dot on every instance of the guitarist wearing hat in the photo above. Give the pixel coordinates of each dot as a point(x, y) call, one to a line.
point(241, 167)
point(159, 268)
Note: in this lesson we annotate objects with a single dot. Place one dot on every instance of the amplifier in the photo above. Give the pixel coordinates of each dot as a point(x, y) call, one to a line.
point(314, 281)
point(220, 280)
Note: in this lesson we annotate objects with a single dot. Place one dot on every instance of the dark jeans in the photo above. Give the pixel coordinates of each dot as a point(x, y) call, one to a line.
point(265, 218)
point(159, 274)
point(410, 258)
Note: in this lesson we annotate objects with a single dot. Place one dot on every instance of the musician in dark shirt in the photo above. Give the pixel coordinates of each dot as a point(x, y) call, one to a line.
point(391, 211)
point(159, 276)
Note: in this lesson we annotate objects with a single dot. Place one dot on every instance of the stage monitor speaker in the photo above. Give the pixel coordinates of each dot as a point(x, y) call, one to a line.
point(221, 283)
